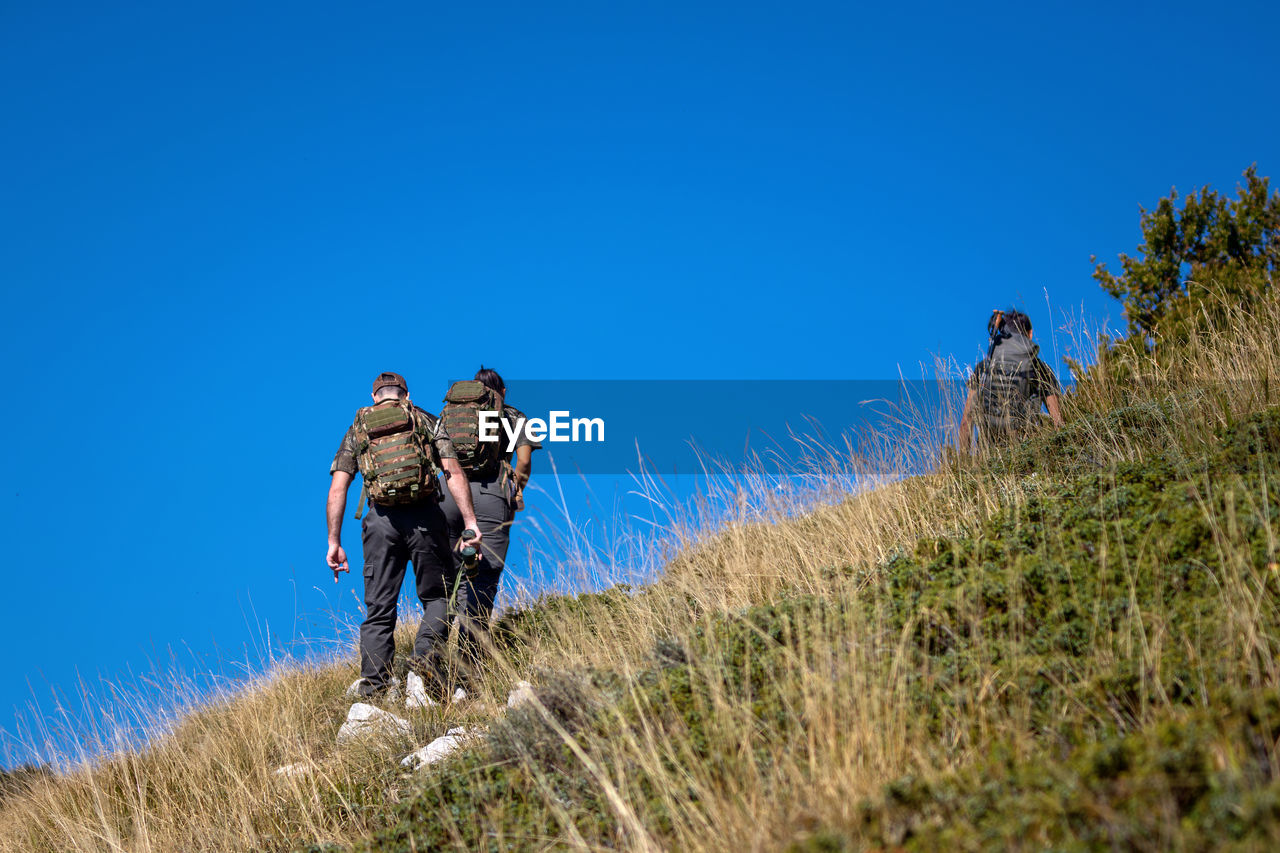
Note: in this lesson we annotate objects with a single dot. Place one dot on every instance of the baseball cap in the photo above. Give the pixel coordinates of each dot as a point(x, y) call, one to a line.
point(385, 380)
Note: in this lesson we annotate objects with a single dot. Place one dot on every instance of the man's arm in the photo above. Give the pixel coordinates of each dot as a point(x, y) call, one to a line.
point(1055, 411)
point(460, 488)
point(524, 469)
point(964, 441)
point(1049, 390)
point(334, 508)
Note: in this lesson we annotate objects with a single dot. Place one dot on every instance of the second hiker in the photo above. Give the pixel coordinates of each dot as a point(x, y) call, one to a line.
point(497, 492)
point(1009, 387)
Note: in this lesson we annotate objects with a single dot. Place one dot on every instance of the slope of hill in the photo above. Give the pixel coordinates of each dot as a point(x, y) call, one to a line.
point(1069, 642)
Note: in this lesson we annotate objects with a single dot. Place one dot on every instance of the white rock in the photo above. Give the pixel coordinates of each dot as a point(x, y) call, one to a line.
point(365, 720)
point(302, 768)
point(416, 693)
point(523, 693)
point(415, 690)
point(439, 748)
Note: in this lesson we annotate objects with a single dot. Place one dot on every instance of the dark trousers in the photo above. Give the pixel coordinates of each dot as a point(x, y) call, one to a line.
point(495, 511)
point(394, 536)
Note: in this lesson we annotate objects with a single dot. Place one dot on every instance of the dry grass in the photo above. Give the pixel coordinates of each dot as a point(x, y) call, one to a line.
point(762, 733)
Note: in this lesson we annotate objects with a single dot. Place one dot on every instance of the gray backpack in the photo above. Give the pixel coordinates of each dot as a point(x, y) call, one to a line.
point(1005, 386)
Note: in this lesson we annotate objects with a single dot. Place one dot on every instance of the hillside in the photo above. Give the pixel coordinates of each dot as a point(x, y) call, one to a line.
point(1071, 642)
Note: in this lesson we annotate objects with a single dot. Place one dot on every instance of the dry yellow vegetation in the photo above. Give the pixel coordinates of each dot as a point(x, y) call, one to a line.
point(970, 657)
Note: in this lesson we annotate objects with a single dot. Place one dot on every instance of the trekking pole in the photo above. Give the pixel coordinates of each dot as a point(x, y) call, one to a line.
point(469, 560)
point(469, 553)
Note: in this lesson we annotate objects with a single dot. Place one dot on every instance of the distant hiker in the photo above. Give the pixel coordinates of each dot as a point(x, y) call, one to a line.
point(1009, 387)
point(398, 450)
point(497, 491)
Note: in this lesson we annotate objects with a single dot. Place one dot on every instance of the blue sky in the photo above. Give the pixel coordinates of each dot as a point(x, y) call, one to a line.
point(220, 221)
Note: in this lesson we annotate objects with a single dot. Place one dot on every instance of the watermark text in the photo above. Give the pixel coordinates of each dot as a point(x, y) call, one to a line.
point(558, 426)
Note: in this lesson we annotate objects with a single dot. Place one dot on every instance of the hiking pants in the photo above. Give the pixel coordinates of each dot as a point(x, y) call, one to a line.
point(394, 536)
point(494, 503)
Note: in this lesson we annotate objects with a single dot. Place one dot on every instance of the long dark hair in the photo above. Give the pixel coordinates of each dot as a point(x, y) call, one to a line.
point(491, 379)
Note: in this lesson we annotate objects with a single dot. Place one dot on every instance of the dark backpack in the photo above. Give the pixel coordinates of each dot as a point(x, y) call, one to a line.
point(461, 418)
point(393, 452)
point(1005, 386)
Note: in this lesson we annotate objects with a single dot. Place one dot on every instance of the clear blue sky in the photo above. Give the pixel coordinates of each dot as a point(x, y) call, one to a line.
point(220, 221)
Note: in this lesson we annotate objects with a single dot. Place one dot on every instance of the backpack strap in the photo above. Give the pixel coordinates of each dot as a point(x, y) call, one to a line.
point(364, 493)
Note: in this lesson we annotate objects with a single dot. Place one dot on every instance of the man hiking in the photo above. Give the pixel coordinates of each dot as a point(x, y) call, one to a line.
point(398, 450)
point(497, 491)
point(1009, 387)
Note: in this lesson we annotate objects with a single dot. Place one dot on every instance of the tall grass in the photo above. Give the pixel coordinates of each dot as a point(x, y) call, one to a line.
point(900, 619)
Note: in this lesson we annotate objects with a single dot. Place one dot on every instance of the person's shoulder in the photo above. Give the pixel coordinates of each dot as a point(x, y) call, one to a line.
point(1043, 366)
point(1046, 374)
point(518, 422)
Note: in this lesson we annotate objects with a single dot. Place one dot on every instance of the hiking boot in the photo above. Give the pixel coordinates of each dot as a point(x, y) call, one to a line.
point(432, 669)
point(362, 691)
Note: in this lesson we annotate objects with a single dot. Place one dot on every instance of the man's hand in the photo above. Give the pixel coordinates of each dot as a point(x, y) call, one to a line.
point(335, 506)
point(337, 560)
point(474, 542)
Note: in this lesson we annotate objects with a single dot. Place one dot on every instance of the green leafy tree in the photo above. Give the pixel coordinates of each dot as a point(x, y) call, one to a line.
point(1212, 244)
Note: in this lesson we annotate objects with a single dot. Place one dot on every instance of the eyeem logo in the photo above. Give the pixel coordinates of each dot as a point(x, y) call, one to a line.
point(558, 427)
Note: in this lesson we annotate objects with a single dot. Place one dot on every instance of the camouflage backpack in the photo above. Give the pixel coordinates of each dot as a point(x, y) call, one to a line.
point(393, 452)
point(461, 418)
point(1007, 402)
